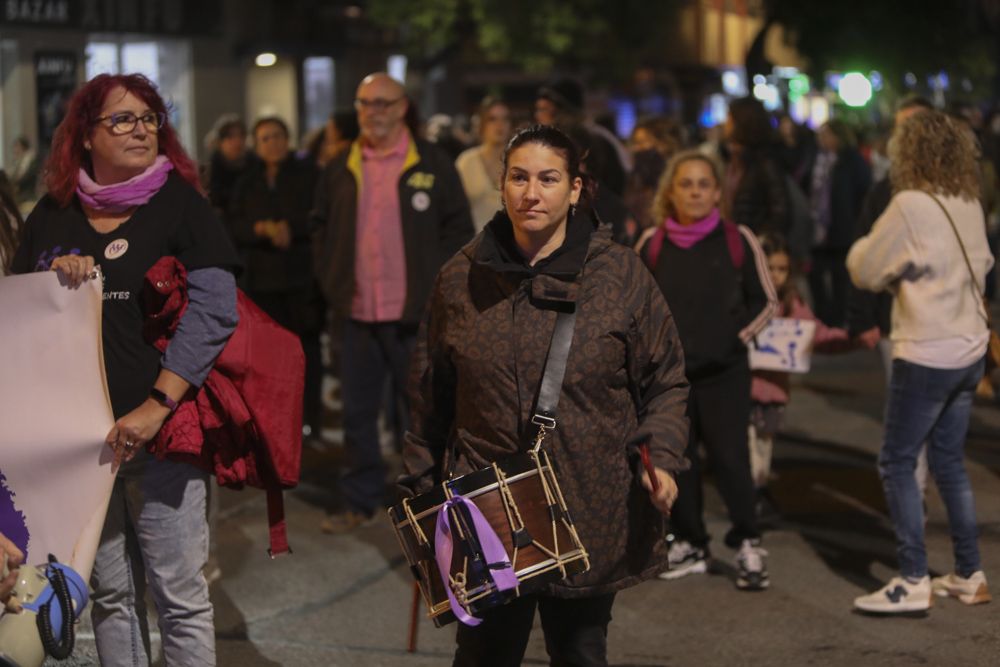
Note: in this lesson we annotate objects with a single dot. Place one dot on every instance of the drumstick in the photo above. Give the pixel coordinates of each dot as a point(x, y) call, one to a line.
point(648, 465)
point(411, 646)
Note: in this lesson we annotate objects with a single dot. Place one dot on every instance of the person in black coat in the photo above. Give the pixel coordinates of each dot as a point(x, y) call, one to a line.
point(269, 221)
point(227, 162)
point(754, 192)
point(840, 180)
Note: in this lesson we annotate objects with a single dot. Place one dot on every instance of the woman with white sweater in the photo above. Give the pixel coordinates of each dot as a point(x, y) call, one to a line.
point(480, 166)
point(929, 249)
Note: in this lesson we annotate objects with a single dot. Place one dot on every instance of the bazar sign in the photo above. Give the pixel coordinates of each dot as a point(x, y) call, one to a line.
point(37, 12)
point(151, 16)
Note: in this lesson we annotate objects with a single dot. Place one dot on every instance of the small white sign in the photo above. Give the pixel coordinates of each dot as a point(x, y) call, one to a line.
point(784, 345)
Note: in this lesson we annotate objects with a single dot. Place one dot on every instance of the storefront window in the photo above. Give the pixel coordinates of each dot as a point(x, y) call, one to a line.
point(142, 57)
point(102, 58)
point(396, 67)
point(318, 90)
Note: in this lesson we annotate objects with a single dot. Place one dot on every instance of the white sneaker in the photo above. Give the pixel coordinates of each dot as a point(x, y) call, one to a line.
point(969, 591)
point(897, 597)
point(685, 559)
point(751, 567)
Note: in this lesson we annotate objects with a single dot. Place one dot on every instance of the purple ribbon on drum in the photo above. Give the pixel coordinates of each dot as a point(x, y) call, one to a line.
point(498, 565)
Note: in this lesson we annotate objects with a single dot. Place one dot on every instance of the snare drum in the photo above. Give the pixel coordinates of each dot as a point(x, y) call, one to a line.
point(521, 500)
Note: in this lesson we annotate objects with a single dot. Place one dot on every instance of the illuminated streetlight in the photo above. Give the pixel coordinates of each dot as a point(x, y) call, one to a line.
point(265, 59)
point(855, 89)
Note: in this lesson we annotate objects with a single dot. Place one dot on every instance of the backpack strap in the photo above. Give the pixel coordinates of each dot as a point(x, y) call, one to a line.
point(650, 251)
point(650, 244)
point(734, 241)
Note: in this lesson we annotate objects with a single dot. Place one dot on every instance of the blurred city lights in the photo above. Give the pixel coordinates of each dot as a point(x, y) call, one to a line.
point(265, 59)
point(396, 67)
point(714, 111)
point(768, 94)
point(855, 89)
point(733, 84)
point(799, 109)
point(910, 79)
point(798, 86)
point(940, 81)
point(819, 112)
point(625, 115)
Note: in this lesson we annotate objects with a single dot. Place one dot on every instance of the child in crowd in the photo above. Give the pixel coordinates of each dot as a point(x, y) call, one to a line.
point(769, 390)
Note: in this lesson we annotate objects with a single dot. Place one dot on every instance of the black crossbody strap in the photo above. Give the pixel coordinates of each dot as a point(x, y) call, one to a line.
point(544, 417)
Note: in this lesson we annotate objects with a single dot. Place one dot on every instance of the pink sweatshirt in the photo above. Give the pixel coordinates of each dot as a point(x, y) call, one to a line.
point(773, 386)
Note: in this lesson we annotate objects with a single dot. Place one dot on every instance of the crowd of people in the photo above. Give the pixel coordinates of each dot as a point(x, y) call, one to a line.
point(440, 274)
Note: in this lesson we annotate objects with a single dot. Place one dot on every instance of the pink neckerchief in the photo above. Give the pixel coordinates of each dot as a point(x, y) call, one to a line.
point(119, 197)
point(685, 236)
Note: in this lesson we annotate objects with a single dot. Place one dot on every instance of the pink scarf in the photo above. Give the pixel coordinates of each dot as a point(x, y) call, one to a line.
point(119, 197)
point(685, 236)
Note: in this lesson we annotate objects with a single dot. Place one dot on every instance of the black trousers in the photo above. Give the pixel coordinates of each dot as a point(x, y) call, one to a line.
point(576, 632)
point(719, 410)
point(370, 353)
point(830, 283)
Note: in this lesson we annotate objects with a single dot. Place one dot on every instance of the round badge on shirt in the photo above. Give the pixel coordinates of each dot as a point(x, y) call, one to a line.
point(421, 201)
point(116, 249)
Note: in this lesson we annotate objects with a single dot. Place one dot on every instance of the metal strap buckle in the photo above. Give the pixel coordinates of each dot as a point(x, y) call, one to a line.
point(543, 421)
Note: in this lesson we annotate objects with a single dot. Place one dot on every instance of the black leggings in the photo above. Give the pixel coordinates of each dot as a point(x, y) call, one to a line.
point(719, 410)
point(576, 632)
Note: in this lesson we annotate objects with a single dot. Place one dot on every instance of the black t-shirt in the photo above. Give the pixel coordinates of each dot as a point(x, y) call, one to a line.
point(177, 221)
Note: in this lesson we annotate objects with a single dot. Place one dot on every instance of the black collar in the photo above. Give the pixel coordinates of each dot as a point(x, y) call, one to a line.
point(498, 250)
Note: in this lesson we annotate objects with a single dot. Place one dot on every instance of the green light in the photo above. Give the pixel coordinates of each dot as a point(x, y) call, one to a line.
point(798, 86)
point(854, 89)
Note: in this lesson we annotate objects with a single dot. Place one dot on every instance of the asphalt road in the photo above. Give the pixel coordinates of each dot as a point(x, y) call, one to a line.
point(345, 600)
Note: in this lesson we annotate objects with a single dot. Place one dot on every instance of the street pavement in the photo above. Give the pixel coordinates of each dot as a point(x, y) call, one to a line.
point(345, 600)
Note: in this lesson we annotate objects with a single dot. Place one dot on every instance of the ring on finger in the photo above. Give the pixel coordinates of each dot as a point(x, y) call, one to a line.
point(129, 444)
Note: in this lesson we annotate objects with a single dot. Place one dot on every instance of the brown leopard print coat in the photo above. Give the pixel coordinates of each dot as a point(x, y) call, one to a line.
point(475, 375)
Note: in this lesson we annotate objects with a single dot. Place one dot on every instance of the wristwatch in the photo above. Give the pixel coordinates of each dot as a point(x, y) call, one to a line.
point(161, 397)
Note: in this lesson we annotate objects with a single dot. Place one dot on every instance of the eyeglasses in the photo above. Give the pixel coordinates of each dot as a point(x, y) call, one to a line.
point(378, 104)
point(125, 121)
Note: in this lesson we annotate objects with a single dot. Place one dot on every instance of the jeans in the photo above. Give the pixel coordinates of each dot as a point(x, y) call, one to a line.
point(576, 632)
point(929, 405)
point(155, 531)
point(371, 352)
point(885, 354)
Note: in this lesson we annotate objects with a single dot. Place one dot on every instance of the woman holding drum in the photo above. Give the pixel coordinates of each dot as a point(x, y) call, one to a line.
point(475, 382)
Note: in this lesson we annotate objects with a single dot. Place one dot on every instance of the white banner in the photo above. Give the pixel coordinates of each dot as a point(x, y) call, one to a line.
point(55, 470)
point(784, 345)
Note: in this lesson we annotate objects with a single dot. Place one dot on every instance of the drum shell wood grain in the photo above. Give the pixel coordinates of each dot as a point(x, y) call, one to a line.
point(548, 528)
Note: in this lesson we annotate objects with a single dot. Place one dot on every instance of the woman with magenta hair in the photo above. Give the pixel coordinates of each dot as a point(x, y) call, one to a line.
point(123, 194)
